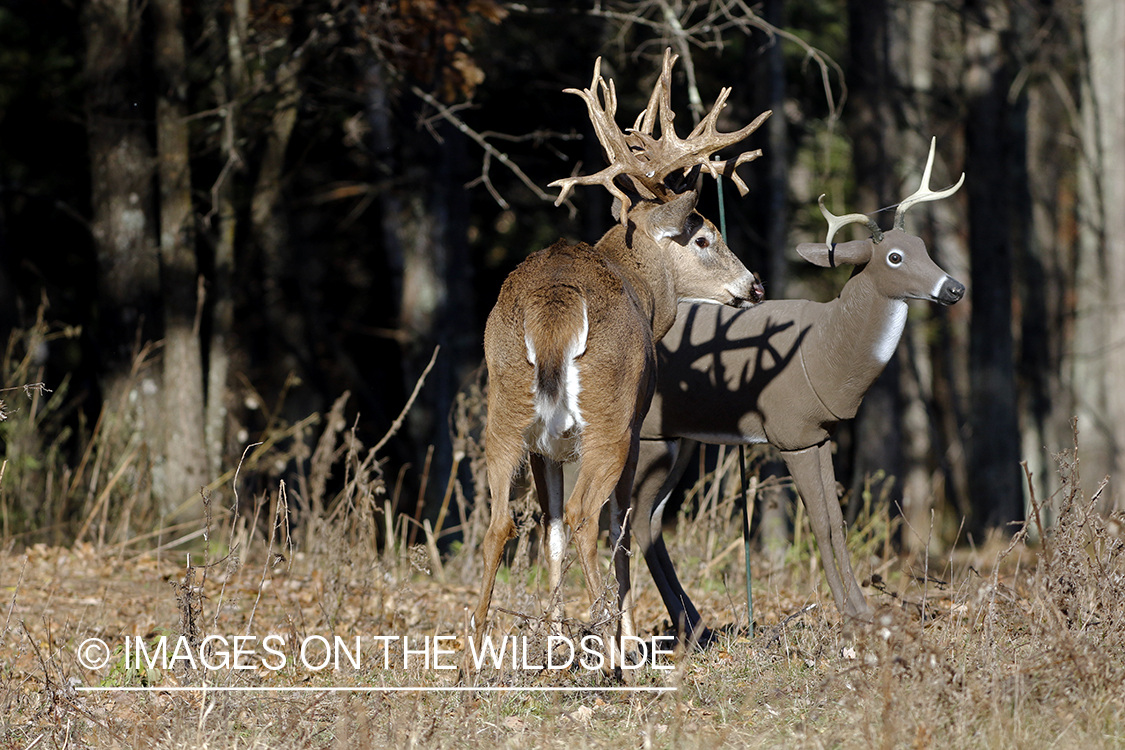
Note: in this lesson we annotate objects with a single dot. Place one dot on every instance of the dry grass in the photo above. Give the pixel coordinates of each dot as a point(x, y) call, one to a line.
point(1001, 645)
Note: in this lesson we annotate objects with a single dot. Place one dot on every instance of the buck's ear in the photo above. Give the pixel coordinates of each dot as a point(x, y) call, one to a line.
point(679, 182)
point(670, 219)
point(852, 253)
point(615, 210)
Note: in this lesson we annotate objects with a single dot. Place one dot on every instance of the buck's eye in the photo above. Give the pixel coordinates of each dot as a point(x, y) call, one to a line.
point(702, 243)
point(895, 258)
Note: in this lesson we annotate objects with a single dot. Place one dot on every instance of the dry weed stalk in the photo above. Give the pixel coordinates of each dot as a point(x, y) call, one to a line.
point(469, 421)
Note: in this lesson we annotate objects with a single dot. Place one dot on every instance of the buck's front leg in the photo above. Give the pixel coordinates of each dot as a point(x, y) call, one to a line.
point(648, 528)
point(620, 541)
point(804, 465)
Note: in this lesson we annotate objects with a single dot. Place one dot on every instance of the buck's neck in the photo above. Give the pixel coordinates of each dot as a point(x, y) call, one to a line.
point(643, 265)
point(853, 338)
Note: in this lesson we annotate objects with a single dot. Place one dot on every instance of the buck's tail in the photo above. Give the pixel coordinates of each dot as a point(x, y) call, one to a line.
point(555, 332)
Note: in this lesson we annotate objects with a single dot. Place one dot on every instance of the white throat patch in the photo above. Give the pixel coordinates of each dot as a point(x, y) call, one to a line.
point(893, 326)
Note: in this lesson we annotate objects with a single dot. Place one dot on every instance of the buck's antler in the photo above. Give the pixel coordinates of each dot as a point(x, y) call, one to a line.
point(617, 151)
point(646, 160)
point(924, 193)
point(836, 222)
point(670, 153)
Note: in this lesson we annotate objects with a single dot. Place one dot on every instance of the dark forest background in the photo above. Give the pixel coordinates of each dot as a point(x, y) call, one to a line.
point(220, 219)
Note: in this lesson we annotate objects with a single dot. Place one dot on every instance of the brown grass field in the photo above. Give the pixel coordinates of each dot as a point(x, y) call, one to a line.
point(1001, 644)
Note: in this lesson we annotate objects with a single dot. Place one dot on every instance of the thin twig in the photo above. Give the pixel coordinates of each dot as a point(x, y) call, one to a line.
point(15, 592)
point(681, 36)
point(271, 559)
point(537, 136)
point(780, 627)
point(397, 424)
point(104, 496)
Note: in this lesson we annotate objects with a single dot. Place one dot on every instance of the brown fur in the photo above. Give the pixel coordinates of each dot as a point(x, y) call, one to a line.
point(630, 283)
point(553, 309)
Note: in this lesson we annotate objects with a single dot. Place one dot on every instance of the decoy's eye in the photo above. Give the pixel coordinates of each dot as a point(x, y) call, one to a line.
point(895, 258)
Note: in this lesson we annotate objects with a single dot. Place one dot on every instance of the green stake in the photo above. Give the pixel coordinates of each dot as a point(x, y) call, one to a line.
point(741, 464)
point(746, 537)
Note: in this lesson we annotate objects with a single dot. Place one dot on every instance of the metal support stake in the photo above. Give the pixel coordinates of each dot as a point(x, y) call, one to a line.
point(741, 463)
point(746, 537)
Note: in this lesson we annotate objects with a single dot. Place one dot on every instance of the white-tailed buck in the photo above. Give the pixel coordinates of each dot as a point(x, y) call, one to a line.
point(786, 372)
point(570, 344)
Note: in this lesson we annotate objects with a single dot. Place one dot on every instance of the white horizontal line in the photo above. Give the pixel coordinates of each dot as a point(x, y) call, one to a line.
point(451, 689)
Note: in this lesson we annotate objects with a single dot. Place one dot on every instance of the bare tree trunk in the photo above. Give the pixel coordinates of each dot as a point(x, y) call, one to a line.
point(947, 334)
point(874, 130)
point(1048, 282)
point(1104, 199)
point(123, 218)
point(424, 224)
point(221, 344)
point(185, 460)
point(270, 230)
point(912, 57)
point(1092, 290)
point(776, 500)
point(436, 303)
point(777, 157)
point(994, 146)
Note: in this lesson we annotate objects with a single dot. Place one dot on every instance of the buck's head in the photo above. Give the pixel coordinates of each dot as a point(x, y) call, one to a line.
point(655, 184)
point(704, 269)
point(897, 262)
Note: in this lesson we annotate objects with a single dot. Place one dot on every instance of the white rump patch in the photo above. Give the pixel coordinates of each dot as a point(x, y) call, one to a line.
point(892, 331)
point(555, 429)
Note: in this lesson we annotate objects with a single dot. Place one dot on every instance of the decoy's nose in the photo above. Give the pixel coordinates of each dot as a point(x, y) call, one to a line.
point(951, 291)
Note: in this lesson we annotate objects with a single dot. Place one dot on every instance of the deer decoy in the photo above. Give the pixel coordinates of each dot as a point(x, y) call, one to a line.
point(785, 372)
point(570, 344)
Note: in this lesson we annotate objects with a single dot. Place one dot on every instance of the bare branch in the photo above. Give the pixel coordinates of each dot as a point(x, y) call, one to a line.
point(721, 17)
point(487, 181)
point(491, 151)
point(537, 136)
point(681, 38)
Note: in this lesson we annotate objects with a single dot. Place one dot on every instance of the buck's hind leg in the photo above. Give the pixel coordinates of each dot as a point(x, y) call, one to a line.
point(548, 476)
point(597, 479)
point(606, 475)
point(502, 466)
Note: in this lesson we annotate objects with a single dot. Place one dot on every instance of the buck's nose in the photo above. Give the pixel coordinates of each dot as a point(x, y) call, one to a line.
point(951, 291)
point(747, 293)
point(757, 291)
